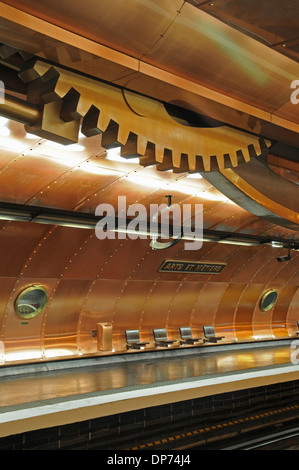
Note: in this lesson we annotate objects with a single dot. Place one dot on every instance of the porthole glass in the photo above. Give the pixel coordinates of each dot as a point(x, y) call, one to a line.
point(31, 302)
point(268, 300)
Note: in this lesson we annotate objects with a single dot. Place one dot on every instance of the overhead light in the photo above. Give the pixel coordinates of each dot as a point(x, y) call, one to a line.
point(241, 242)
point(63, 221)
point(276, 244)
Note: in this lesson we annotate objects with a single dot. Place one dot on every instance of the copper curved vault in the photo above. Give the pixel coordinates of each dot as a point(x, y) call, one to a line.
point(118, 282)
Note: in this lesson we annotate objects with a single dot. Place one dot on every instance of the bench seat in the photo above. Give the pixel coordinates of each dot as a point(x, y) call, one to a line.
point(186, 336)
point(160, 337)
point(209, 335)
point(133, 340)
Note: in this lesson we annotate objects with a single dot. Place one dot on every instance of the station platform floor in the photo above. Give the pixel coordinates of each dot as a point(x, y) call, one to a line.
point(37, 396)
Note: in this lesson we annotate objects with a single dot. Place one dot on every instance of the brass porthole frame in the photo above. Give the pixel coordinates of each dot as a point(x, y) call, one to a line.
point(36, 312)
point(264, 297)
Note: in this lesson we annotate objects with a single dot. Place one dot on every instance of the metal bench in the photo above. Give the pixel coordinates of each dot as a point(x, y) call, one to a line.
point(133, 340)
point(209, 334)
point(186, 336)
point(160, 337)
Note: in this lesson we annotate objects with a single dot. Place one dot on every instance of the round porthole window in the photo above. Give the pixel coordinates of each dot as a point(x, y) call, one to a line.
point(31, 302)
point(268, 300)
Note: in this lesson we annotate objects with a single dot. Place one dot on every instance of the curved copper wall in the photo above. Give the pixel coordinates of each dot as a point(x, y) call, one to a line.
point(117, 281)
point(91, 281)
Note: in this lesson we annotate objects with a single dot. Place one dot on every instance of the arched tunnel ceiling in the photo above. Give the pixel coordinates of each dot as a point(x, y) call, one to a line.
point(262, 82)
point(243, 79)
point(179, 54)
point(81, 176)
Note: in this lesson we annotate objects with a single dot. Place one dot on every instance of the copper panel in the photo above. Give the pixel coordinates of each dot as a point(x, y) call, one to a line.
point(292, 314)
point(184, 300)
point(269, 22)
point(221, 50)
point(18, 242)
point(155, 312)
point(18, 182)
point(226, 311)
point(6, 292)
point(131, 255)
point(205, 309)
point(268, 267)
point(71, 190)
point(54, 250)
point(116, 296)
point(280, 311)
point(287, 271)
point(76, 169)
point(120, 25)
point(37, 36)
point(173, 35)
point(243, 318)
point(60, 329)
point(90, 257)
point(251, 262)
point(128, 311)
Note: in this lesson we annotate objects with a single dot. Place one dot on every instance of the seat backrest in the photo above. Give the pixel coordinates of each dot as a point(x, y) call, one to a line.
point(160, 333)
point(209, 331)
point(132, 336)
point(186, 332)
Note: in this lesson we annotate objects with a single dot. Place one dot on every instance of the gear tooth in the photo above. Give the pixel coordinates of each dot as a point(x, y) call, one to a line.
point(69, 110)
point(206, 164)
point(213, 163)
point(42, 90)
point(192, 162)
point(149, 157)
point(103, 121)
point(264, 144)
point(90, 122)
point(227, 161)
point(233, 159)
point(166, 164)
point(130, 150)
point(141, 144)
point(30, 71)
point(123, 134)
point(110, 135)
point(184, 164)
point(220, 162)
point(252, 151)
point(7, 51)
point(199, 165)
point(176, 158)
point(159, 153)
point(257, 147)
point(245, 155)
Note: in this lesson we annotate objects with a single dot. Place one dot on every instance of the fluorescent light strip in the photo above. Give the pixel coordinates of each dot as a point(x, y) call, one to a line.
point(82, 222)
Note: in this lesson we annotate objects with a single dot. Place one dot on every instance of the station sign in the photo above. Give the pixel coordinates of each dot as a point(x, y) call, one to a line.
point(188, 267)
